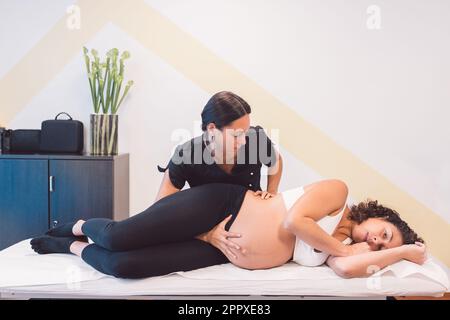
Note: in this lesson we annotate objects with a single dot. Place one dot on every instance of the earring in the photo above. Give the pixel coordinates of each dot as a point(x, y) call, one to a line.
point(212, 146)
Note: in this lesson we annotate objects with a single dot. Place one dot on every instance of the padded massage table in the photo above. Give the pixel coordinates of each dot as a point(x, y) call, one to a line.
point(25, 274)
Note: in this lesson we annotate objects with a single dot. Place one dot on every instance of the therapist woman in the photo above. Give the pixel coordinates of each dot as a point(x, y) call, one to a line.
point(228, 151)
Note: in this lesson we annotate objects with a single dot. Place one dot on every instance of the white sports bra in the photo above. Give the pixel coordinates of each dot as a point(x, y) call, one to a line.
point(304, 254)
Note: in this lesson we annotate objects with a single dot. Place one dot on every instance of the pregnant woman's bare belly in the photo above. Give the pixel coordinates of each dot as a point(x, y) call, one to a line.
point(267, 243)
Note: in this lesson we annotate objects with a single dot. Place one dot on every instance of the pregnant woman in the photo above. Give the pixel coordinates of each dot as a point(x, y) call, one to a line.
point(310, 225)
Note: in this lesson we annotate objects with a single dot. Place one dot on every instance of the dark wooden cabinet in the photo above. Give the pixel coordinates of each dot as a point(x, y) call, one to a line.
point(41, 191)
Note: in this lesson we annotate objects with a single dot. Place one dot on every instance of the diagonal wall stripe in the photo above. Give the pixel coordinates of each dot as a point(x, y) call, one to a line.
point(212, 74)
point(46, 59)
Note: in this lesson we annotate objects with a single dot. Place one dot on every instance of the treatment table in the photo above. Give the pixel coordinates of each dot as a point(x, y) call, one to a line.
point(25, 274)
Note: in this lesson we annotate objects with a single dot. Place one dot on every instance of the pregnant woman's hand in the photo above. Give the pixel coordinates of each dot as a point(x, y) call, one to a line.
point(264, 194)
point(358, 248)
point(416, 253)
point(218, 237)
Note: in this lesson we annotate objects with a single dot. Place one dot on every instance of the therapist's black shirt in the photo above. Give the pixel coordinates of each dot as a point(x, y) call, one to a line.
point(189, 164)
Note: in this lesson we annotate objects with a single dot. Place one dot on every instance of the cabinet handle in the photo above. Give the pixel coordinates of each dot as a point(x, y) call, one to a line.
point(51, 178)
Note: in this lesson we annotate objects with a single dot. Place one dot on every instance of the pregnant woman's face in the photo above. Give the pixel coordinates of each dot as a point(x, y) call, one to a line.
point(378, 233)
point(232, 137)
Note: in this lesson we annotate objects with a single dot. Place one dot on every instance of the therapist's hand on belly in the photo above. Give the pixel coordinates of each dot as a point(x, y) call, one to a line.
point(218, 237)
point(264, 194)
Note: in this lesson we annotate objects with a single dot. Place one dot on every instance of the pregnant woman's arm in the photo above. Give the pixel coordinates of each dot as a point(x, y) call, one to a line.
point(319, 200)
point(365, 264)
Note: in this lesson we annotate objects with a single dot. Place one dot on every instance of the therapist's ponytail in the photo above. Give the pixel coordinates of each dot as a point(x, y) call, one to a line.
point(223, 108)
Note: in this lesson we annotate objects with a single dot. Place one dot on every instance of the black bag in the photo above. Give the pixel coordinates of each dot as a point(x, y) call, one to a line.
point(62, 136)
point(5, 140)
point(24, 141)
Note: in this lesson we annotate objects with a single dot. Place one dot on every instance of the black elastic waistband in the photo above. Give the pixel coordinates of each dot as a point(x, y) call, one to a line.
point(235, 199)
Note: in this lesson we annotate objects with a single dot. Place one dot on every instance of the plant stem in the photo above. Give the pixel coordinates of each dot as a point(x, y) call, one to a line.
point(97, 134)
point(116, 97)
point(107, 133)
point(103, 142)
point(112, 136)
point(127, 88)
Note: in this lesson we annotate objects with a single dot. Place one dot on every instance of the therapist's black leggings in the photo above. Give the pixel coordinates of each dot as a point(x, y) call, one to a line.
point(161, 239)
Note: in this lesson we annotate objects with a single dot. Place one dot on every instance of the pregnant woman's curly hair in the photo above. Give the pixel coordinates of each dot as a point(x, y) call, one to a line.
point(361, 212)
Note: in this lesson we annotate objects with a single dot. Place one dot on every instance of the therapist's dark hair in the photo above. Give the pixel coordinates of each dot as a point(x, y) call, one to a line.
point(372, 209)
point(223, 108)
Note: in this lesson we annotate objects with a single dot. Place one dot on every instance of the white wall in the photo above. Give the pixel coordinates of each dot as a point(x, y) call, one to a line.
point(382, 94)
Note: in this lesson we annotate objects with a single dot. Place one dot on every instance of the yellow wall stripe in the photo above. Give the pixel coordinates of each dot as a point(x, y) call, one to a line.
point(48, 57)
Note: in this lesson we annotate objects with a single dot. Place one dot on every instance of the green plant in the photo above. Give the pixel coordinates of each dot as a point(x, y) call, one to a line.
point(105, 79)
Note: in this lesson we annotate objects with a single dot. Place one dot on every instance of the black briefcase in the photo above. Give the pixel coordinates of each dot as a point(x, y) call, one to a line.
point(62, 135)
